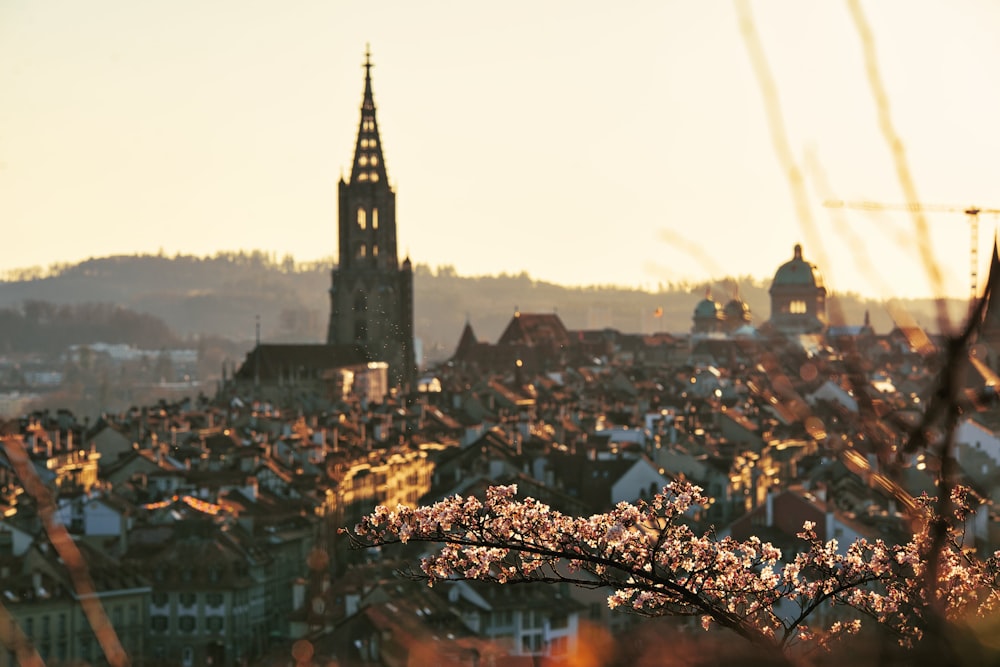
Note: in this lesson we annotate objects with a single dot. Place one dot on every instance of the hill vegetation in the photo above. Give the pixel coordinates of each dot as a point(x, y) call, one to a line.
point(225, 294)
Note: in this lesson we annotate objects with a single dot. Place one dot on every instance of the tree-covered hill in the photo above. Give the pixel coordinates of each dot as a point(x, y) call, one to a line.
point(224, 295)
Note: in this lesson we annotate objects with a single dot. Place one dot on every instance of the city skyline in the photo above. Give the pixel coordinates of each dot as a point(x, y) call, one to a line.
point(584, 146)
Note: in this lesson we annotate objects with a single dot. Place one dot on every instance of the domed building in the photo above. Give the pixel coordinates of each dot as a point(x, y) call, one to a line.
point(798, 298)
point(708, 317)
point(736, 313)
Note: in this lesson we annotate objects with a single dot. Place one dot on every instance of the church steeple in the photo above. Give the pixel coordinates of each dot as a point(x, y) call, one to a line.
point(369, 165)
point(371, 296)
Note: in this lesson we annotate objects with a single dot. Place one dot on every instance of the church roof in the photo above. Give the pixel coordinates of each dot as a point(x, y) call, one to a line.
point(534, 329)
point(267, 361)
point(797, 272)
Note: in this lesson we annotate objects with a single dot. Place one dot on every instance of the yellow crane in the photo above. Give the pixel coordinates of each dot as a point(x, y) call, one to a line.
point(972, 212)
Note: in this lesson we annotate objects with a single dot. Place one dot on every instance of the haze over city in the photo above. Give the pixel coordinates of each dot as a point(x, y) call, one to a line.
point(581, 143)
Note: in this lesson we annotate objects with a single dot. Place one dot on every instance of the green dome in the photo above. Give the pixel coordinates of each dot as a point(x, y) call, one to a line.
point(707, 308)
point(797, 272)
point(737, 309)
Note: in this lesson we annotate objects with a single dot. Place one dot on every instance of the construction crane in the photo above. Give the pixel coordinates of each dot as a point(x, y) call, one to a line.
point(972, 212)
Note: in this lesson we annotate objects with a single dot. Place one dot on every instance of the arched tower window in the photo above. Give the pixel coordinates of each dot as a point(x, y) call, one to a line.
point(374, 218)
point(362, 218)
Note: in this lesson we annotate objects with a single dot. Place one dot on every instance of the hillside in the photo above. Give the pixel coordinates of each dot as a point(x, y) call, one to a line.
point(225, 294)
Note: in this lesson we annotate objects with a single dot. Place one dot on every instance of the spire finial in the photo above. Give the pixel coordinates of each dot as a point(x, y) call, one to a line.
point(368, 60)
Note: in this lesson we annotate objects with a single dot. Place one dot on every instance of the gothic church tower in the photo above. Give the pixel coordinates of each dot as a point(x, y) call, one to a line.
point(371, 296)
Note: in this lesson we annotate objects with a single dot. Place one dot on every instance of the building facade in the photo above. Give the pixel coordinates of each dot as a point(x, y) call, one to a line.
point(798, 298)
point(371, 295)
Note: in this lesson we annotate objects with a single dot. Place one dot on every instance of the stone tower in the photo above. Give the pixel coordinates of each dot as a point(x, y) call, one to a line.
point(371, 295)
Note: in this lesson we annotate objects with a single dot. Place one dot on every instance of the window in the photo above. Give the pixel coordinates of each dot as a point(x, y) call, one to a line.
point(374, 160)
point(363, 251)
point(374, 177)
point(363, 160)
point(158, 623)
point(797, 307)
point(213, 599)
point(374, 251)
point(187, 599)
point(362, 219)
point(159, 599)
point(374, 218)
point(214, 623)
point(86, 648)
point(187, 623)
point(531, 643)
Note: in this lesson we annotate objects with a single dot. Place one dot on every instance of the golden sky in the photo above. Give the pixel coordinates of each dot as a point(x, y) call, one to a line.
point(582, 142)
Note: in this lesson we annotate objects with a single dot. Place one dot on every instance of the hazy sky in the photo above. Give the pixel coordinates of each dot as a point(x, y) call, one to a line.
point(583, 142)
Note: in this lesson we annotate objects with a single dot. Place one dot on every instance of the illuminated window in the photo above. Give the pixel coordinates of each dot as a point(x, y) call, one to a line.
point(363, 160)
point(363, 176)
point(374, 160)
point(374, 177)
point(374, 218)
point(374, 251)
point(362, 218)
point(363, 251)
point(797, 307)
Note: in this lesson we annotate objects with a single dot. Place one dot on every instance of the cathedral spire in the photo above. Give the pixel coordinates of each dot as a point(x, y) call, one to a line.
point(369, 165)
